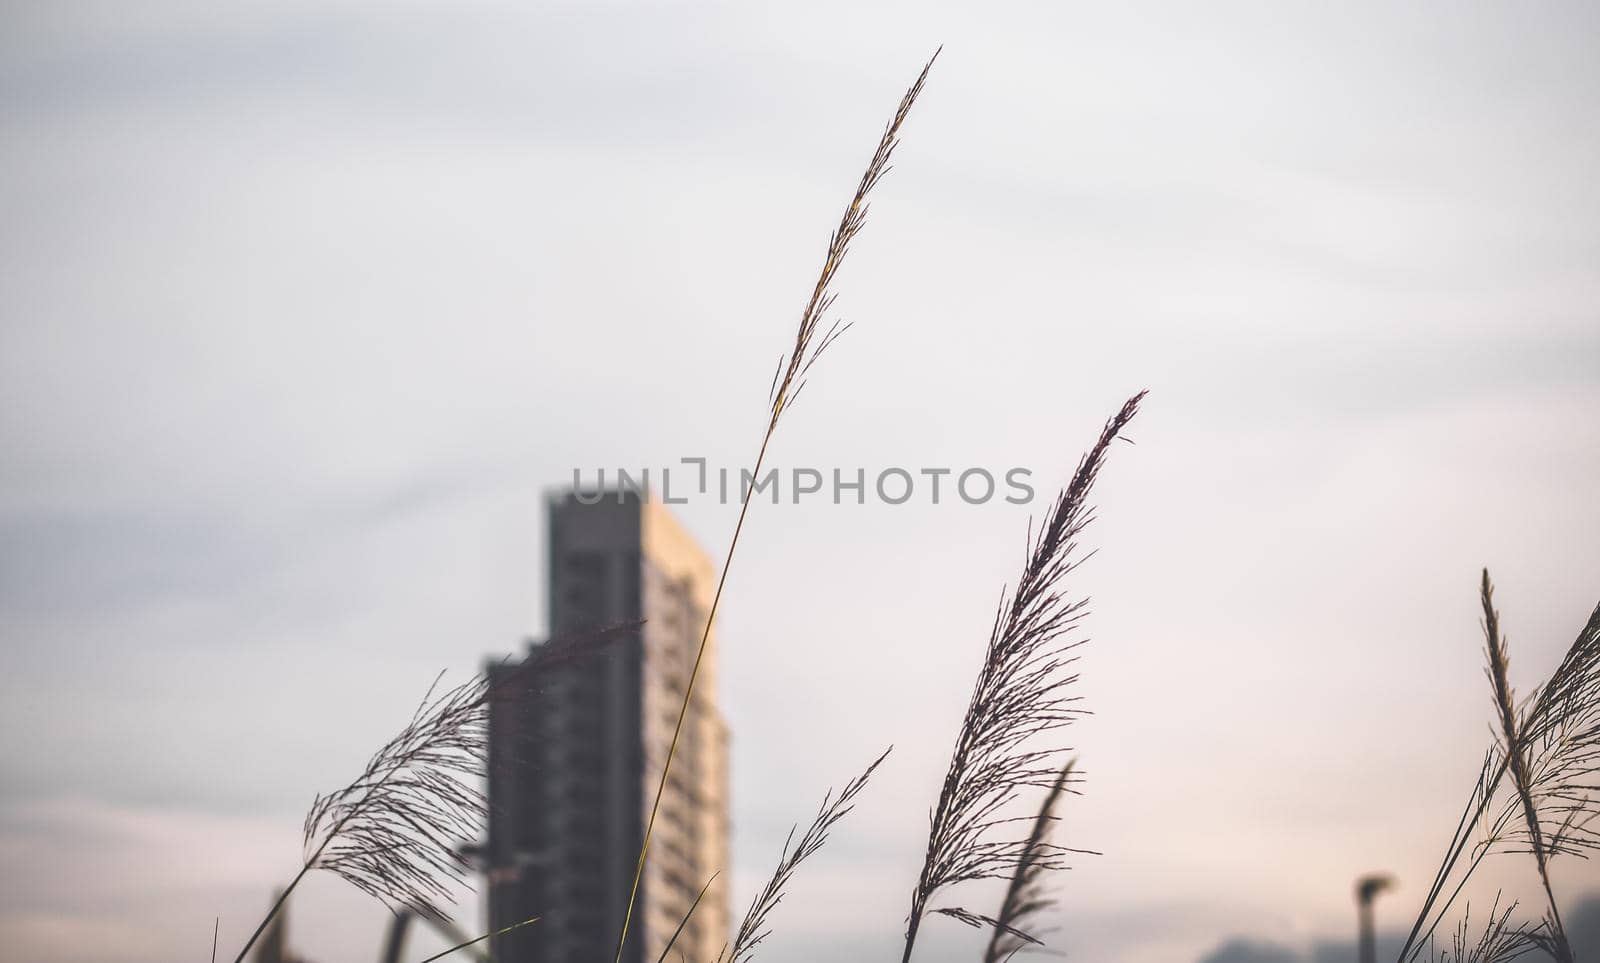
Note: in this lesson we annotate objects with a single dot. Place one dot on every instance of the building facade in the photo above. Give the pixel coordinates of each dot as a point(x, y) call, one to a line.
point(577, 744)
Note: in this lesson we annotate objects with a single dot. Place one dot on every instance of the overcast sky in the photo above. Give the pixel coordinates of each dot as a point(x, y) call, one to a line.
point(303, 306)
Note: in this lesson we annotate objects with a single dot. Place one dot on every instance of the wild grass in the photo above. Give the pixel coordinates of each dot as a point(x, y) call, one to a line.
point(1515, 749)
point(1020, 690)
point(753, 930)
point(1500, 940)
point(394, 831)
point(1020, 694)
point(1537, 792)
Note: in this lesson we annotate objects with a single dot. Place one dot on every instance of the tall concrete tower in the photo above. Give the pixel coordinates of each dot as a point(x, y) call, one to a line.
point(577, 746)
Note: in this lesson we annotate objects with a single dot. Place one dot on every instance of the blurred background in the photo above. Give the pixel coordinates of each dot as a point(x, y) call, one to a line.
point(304, 307)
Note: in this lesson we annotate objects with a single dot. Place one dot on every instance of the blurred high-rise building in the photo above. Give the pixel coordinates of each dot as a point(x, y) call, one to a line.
point(577, 745)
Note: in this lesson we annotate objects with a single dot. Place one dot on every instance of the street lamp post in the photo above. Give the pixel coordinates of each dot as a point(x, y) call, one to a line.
point(1367, 890)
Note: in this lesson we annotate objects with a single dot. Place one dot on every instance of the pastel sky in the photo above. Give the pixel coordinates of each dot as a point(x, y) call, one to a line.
point(304, 306)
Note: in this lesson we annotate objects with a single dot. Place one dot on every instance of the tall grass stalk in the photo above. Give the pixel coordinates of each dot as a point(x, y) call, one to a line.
point(788, 380)
point(1549, 747)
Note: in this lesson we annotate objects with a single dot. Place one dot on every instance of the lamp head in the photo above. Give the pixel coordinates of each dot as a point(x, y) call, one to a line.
point(1368, 887)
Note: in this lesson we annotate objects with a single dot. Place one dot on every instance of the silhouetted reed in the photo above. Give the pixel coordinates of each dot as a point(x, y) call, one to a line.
point(1019, 695)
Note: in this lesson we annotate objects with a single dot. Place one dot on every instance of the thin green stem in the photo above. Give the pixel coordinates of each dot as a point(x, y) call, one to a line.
point(688, 695)
point(487, 936)
point(685, 921)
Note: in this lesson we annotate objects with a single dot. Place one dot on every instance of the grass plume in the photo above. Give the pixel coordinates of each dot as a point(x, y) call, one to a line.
point(1514, 748)
point(1560, 736)
point(753, 930)
point(394, 831)
point(1549, 747)
point(788, 380)
point(1018, 696)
